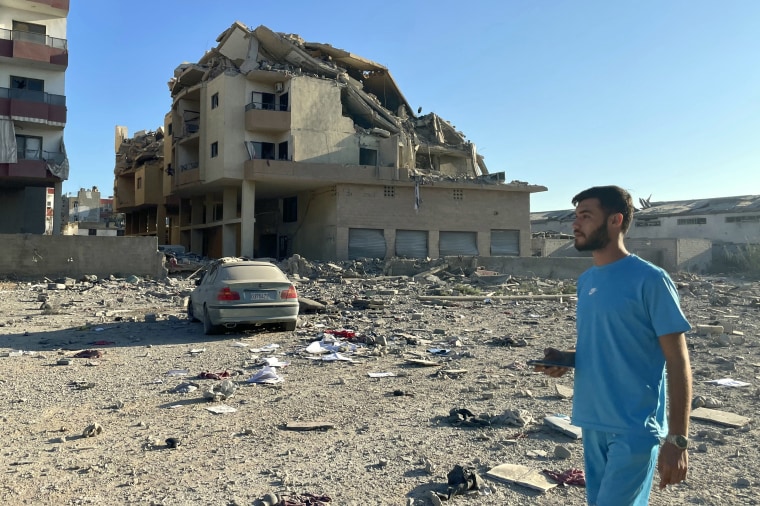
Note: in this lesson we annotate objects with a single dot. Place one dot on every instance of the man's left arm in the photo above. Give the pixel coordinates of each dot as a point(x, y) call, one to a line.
point(673, 462)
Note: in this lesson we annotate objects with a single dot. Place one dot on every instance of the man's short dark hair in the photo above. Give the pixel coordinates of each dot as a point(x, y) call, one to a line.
point(613, 199)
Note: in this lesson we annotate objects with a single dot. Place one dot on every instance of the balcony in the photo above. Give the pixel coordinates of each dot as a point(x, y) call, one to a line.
point(55, 8)
point(264, 117)
point(36, 105)
point(51, 52)
point(33, 170)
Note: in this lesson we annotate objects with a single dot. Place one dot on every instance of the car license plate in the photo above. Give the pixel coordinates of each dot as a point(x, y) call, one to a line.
point(259, 295)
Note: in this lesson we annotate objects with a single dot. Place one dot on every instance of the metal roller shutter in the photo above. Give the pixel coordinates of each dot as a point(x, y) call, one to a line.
point(458, 243)
point(365, 243)
point(505, 243)
point(412, 243)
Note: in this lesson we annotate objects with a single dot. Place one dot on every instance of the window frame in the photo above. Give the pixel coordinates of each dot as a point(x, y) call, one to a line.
point(214, 151)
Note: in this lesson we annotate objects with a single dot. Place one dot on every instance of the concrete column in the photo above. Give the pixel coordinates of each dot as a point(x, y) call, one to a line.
point(247, 218)
point(390, 242)
point(433, 243)
point(196, 219)
point(483, 242)
point(341, 243)
point(161, 224)
point(57, 208)
point(229, 203)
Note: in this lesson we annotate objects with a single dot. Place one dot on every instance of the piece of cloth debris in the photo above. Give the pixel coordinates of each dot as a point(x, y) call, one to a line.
point(89, 354)
point(306, 499)
point(569, 477)
point(214, 375)
point(462, 479)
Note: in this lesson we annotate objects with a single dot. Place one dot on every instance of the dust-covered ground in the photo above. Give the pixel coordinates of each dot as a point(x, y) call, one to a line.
point(107, 393)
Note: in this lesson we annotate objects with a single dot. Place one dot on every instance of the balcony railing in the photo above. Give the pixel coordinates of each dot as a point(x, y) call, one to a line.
point(264, 106)
point(54, 157)
point(33, 96)
point(38, 38)
point(188, 166)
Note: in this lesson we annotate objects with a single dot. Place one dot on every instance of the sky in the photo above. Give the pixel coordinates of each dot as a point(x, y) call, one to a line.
point(661, 97)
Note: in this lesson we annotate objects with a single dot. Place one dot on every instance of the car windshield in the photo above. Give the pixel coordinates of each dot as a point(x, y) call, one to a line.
point(251, 272)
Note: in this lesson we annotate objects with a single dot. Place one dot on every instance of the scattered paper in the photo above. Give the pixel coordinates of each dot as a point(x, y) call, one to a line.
point(195, 351)
point(337, 356)
point(381, 374)
point(221, 409)
point(267, 375)
point(275, 362)
point(239, 345)
point(178, 372)
point(727, 382)
point(316, 348)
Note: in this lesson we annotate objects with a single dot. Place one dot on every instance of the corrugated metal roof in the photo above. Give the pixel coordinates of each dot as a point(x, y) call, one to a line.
point(720, 205)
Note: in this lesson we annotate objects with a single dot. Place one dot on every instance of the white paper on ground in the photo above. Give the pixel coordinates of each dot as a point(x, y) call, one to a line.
point(222, 408)
point(728, 382)
point(266, 375)
point(381, 374)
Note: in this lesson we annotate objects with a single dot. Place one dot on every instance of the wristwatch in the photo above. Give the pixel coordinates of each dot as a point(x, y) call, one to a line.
point(681, 442)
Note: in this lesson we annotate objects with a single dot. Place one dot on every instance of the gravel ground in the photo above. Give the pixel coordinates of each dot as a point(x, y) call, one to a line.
point(389, 440)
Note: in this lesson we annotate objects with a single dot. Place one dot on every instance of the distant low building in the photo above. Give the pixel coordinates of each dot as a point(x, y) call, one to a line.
point(733, 220)
point(87, 214)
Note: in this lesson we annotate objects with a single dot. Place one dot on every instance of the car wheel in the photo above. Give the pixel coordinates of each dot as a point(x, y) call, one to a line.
point(289, 326)
point(208, 327)
point(191, 312)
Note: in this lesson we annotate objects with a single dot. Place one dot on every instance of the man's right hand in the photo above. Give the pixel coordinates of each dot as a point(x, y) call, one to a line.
point(555, 355)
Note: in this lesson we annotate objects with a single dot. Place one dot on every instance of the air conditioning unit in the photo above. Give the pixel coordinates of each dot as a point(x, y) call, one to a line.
point(278, 87)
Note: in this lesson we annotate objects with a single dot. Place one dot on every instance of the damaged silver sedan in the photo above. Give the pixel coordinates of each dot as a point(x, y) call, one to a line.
point(242, 293)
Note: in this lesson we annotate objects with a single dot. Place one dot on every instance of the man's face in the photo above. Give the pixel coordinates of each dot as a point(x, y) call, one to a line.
point(590, 226)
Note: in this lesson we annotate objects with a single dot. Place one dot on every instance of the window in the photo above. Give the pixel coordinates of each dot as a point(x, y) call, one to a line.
point(268, 101)
point(290, 209)
point(647, 223)
point(282, 151)
point(28, 147)
point(139, 183)
point(263, 150)
point(743, 219)
point(215, 100)
point(26, 83)
point(367, 156)
point(214, 149)
point(31, 32)
point(692, 221)
point(284, 102)
point(169, 129)
point(92, 231)
point(457, 193)
point(389, 191)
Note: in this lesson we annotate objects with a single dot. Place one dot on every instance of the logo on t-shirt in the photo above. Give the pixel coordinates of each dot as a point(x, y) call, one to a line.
point(592, 291)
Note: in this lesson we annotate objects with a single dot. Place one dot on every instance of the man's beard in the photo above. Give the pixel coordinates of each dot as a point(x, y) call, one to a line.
point(598, 239)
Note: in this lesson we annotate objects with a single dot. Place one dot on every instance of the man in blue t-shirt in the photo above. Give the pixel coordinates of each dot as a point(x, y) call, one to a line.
point(630, 332)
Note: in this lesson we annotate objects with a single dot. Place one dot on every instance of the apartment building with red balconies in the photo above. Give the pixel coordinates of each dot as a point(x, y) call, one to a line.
point(33, 61)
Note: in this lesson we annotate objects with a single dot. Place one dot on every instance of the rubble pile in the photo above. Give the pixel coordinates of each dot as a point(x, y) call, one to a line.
point(391, 387)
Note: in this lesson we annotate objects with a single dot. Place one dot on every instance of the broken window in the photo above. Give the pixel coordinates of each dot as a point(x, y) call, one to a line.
point(389, 191)
point(28, 147)
point(214, 149)
point(290, 209)
point(282, 151)
point(27, 83)
point(215, 100)
point(367, 156)
point(457, 193)
point(743, 219)
point(263, 150)
point(692, 221)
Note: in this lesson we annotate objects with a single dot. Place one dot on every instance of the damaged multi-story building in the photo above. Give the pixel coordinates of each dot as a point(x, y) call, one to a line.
point(34, 56)
point(276, 146)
